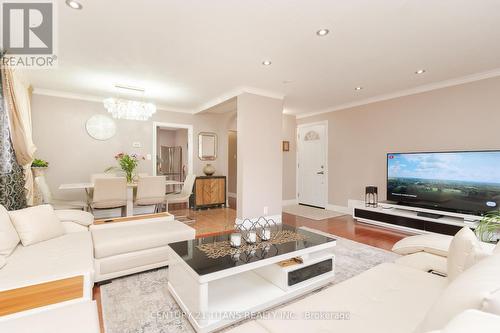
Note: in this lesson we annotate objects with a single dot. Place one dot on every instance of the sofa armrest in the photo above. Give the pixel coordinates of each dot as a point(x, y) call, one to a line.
point(431, 243)
point(76, 216)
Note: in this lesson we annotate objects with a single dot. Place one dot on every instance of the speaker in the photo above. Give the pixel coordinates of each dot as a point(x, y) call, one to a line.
point(371, 196)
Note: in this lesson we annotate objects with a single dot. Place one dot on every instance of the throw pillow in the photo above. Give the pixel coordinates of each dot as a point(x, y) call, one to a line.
point(36, 224)
point(465, 250)
point(8, 234)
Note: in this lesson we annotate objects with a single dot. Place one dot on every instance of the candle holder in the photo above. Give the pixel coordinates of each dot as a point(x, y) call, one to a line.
point(235, 239)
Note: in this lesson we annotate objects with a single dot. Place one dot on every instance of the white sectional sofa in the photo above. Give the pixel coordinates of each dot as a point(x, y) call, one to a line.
point(65, 256)
point(401, 297)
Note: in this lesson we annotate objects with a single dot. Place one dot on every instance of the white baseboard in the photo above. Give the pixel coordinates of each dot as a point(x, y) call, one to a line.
point(231, 195)
point(340, 209)
point(290, 202)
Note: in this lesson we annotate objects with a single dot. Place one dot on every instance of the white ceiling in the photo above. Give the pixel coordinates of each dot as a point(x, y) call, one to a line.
point(186, 53)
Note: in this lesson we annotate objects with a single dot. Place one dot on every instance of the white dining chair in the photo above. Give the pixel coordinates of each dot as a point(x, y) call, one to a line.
point(184, 194)
point(109, 193)
point(48, 198)
point(150, 192)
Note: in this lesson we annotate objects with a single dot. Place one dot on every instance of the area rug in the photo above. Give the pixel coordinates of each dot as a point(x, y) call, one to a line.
point(141, 303)
point(311, 212)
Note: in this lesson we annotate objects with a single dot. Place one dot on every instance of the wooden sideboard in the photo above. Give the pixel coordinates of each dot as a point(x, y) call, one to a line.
point(209, 191)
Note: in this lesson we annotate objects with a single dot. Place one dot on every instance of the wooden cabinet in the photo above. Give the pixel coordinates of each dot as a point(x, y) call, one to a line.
point(209, 191)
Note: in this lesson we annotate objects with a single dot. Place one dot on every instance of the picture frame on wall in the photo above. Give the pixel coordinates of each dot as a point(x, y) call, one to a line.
point(286, 145)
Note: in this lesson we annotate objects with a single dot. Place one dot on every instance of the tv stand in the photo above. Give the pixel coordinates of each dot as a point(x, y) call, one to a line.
point(412, 219)
point(430, 215)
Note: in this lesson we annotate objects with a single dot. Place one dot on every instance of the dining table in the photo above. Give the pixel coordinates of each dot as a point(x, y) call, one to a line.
point(130, 191)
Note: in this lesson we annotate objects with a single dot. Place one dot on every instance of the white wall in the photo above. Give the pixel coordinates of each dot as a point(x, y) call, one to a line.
point(463, 117)
point(259, 126)
point(60, 135)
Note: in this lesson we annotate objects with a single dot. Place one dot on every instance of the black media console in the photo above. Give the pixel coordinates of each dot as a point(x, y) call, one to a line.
point(390, 217)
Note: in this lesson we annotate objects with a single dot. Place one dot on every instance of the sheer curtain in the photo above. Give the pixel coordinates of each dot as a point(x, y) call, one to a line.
point(17, 96)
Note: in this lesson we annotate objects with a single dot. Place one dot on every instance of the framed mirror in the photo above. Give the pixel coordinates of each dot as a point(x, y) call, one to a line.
point(207, 146)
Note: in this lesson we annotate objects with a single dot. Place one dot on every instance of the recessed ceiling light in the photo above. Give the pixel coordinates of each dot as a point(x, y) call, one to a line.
point(74, 4)
point(322, 32)
point(420, 71)
point(266, 62)
point(358, 88)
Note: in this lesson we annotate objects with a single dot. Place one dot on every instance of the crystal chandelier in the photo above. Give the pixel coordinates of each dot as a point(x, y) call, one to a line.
point(128, 109)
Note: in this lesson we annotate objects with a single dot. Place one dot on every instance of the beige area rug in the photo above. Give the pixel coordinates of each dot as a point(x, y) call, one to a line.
point(311, 212)
point(141, 303)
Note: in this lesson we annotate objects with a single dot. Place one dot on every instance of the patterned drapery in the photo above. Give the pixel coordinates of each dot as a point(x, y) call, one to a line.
point(12, 192)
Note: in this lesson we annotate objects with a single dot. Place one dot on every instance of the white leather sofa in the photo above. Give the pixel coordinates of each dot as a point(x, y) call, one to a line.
point(400, 297)
point(68, 246)
point(131, 247)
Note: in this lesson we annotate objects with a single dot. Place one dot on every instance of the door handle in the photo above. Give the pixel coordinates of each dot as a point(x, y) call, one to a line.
point(320, 173)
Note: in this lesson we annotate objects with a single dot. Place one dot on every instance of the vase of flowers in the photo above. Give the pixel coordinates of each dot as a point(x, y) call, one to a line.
point(128, 164)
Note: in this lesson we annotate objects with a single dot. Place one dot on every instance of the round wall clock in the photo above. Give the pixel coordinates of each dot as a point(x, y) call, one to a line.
point(100, 127)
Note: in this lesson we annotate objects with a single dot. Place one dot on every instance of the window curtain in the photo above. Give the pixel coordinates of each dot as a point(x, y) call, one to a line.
point(12, 192)
point(17, 96)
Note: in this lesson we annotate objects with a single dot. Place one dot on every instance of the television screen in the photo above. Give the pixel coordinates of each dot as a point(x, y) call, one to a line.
point(465, 182)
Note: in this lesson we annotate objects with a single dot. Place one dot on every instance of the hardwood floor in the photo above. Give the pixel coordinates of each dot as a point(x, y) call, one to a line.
point(220, 220)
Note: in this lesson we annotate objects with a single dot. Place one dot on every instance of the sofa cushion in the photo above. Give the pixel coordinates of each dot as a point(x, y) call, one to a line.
point(465, 250)
point(424, 261)
point(432, 243)
point(491, 302)
point(368, 299)
point(466, 291)
point(3, 261)
point(8, 234)
point(63, 256)
point(36, 224)
point(131, 237)
point(473, 321)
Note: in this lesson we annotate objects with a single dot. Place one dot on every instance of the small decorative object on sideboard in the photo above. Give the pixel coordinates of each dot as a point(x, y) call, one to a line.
point(371, 196)
point(286, 145)
point(208, 169)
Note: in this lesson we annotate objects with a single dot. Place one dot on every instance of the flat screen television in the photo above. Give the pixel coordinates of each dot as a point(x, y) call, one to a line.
point(463, 182)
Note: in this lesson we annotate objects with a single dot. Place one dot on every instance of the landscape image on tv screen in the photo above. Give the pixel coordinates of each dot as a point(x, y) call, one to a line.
point(466, 182)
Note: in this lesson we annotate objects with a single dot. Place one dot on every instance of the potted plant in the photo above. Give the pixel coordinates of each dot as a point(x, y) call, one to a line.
point(488, 228)
point(128, 164)
point(38, 166)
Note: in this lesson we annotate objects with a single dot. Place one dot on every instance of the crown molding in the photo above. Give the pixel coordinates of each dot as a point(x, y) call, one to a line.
point(407, 92)
point(236, 92)
point(98, 99)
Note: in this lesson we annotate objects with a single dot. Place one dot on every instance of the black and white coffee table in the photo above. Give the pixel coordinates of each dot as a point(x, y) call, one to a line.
point(215, 293)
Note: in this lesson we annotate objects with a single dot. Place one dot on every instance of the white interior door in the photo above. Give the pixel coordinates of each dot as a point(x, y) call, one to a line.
point(312, 167)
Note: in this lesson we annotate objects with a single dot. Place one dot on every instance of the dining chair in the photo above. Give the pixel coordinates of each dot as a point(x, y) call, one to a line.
point(184, 194)
point(109, 192)
point(150, 192)
point(48, 198)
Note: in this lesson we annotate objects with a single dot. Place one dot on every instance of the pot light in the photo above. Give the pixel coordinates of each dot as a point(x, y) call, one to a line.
point(358, 88)
point(420, 71)
point(74, 4)
point(322, 32)
point(266, 62)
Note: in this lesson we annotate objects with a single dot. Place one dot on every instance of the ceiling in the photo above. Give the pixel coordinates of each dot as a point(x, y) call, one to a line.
point(187, 53)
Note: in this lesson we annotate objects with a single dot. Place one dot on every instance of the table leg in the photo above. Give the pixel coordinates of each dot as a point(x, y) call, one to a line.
point(130, 201)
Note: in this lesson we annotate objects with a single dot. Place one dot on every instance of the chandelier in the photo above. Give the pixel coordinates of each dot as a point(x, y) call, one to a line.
point(129, 109)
